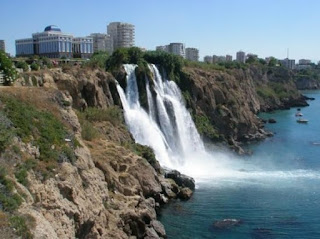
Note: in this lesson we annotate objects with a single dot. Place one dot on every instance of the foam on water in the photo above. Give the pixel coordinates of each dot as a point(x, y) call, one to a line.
point(168, 129)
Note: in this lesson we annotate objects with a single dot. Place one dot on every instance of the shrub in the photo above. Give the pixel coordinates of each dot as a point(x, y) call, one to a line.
point(22, 65)
point(88, 131)
point(34, 66)
point(6, 67)
point(10, 201)
point(112, 114)
point(20, 224)
point(6, 132)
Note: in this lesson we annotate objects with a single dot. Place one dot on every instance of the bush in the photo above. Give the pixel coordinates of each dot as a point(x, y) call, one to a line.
point(6, 67)
point(20, 224)
point(34, 66)
point(6, 132)
point(88, 131)
point(22, 65)
point(98, 59)
point(10, 201)
point(112, 114)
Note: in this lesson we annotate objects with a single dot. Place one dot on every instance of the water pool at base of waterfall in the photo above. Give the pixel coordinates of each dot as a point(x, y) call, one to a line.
point(281, 199)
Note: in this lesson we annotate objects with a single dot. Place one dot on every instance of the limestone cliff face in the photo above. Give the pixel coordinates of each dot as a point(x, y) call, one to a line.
point(232, 98)
point(87, 87)
point(107, 191)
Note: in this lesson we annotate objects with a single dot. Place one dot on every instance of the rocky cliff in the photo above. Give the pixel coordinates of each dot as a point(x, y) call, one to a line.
point(70, 169)
point(231, 99)
point(75, 172)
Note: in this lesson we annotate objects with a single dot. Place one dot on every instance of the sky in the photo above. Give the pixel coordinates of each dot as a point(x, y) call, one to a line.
point(263, 27)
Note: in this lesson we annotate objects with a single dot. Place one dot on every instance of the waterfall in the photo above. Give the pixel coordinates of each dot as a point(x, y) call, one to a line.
point(167, 127)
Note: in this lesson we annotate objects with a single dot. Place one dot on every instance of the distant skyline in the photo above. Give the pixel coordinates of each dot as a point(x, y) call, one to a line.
point(265, 28)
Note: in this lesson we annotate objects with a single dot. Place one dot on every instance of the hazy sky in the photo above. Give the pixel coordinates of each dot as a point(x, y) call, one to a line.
point(263, 27)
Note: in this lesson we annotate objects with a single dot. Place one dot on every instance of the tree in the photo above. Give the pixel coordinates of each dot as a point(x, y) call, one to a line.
point(273, 61)
point(7, 69)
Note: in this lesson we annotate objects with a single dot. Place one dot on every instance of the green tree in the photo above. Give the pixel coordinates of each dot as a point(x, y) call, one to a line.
point(7, 68)
point(98, 59)
point(273, 61)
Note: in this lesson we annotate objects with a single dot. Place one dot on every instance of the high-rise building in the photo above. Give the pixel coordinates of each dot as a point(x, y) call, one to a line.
point(228, 58)
point(192, 54)
point(2, 46)
point(122, 34)
point(207, 59)
point(241, 56)
point(102, 42)
point(53, 43)
point(177, 49)
point(289, 63)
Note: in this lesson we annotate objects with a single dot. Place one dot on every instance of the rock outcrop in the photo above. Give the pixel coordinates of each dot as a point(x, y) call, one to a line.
point(108, 191)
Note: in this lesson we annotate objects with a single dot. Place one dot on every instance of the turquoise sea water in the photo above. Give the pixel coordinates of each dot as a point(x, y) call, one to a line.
point(280, 200)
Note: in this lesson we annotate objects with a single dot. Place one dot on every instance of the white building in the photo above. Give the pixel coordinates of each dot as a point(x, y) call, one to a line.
point(177, 49)
point(82, 47)
point(122, 34)
point(241, 56)
point(50, 43)
point(208, 59)
point(192, 54)
point(102, 42)
point(2, 46)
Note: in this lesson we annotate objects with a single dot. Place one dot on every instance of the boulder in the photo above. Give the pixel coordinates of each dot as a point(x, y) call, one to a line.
point(185, 193)
point(272, 121)
point(181, 179)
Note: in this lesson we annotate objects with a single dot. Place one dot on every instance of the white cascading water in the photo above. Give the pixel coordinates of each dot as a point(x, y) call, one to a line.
point(168, 129)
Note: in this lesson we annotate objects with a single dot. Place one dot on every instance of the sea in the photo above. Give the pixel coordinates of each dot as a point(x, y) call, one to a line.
point(272, 193)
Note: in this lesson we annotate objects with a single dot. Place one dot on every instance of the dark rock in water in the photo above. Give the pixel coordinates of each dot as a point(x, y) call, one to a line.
point(226, 223)
point(308, 98)
point(181, 179)
point(272, 121)
point(262, 233)
point(263, 121)
point(185, 193)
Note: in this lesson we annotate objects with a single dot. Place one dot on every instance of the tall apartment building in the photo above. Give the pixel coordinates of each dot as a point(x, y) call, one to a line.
point(192, 54)
point(174, 48)
point(228, 58)
point(241, 56)
point(122, 34)
point(177, 49)
point(208, 59)
point(2, 46)
point(102, 42)
point(53, 43)
point(289, 63)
